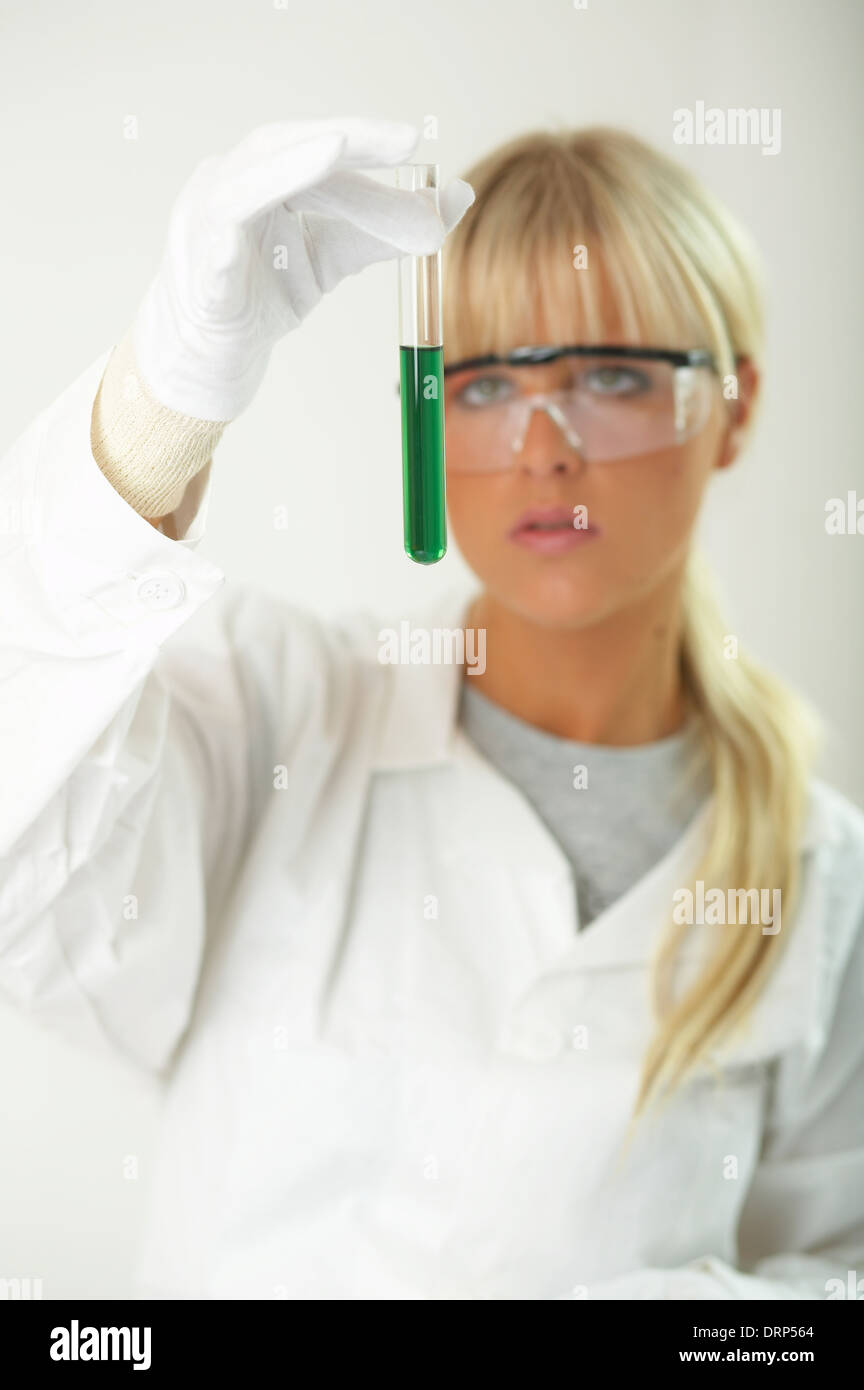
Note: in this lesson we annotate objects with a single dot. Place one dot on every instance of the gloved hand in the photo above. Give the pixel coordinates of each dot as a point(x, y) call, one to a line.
point(259, 235)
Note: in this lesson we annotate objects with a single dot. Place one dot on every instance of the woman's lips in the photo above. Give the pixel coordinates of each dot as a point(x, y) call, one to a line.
point(551, 530)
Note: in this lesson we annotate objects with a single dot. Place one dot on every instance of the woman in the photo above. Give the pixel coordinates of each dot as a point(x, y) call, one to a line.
point(535, 976)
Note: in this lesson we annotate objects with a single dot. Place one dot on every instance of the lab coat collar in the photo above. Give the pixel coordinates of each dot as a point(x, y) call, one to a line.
point(420, 722)
point(421, 730)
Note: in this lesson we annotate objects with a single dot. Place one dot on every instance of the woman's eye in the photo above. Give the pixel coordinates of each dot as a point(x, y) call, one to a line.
point(616, 381)
point(484, 390)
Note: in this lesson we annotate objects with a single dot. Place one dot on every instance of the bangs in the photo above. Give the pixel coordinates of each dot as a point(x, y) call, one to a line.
point(509, 275)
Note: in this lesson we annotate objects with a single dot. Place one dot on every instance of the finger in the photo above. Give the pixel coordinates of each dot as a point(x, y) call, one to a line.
point(367, 143)
point(406, 219)
point(361, 203)
point(277, 160)
point(341, 248)
point(335, 248)
point(377, 144)
point(242, 188)
point(455, 200)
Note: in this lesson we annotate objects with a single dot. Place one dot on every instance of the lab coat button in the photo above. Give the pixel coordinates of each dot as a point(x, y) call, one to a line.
point(161, 590)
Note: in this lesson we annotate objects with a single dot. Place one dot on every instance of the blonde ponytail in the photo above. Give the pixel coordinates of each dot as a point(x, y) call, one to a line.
point(760, 739)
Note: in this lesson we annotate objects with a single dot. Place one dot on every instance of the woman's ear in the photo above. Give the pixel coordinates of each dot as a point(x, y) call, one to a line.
point(745, 385)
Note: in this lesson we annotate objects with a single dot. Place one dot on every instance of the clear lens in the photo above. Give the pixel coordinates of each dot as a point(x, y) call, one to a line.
point(607, 408)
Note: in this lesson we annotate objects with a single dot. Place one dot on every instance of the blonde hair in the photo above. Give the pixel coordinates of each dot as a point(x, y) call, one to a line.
point(667, 266)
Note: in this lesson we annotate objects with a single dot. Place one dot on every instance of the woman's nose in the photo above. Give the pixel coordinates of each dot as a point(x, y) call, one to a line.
point(547, 443)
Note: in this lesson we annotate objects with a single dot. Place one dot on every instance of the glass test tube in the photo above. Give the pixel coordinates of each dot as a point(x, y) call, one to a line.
point(421, 363)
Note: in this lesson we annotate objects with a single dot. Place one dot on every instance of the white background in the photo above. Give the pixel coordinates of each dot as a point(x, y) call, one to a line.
point(83, 217)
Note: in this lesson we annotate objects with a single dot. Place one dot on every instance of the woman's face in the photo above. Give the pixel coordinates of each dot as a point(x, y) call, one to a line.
point(640, 510)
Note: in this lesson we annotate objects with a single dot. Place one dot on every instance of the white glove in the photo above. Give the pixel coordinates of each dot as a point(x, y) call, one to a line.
point(259, 235)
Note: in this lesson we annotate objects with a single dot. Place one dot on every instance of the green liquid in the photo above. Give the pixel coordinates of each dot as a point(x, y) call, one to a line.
point(421, 375)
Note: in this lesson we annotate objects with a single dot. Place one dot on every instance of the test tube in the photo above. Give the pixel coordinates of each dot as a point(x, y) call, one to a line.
point(421, 380)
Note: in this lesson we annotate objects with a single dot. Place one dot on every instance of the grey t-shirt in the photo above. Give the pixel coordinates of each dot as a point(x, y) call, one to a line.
point(615, 811)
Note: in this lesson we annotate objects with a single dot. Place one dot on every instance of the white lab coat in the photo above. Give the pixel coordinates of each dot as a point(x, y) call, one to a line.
point(260, 861)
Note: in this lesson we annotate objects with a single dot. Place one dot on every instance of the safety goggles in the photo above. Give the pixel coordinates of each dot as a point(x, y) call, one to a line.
point(618, 402)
